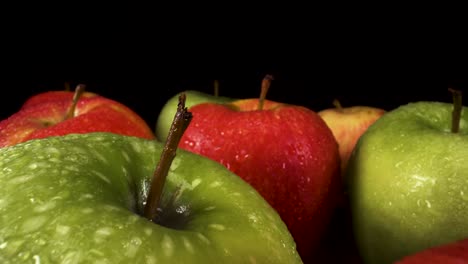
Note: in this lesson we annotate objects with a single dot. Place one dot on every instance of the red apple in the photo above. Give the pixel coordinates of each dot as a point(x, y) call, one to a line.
point(348, 124)
point(53, 96)
point(56, 113)
point(286, 152)
point(451, 253)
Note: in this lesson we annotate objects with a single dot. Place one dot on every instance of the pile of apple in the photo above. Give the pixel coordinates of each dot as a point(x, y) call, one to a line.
point(223, 180)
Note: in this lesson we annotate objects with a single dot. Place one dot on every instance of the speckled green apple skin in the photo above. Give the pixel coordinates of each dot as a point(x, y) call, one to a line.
point(73, 199)
point(408, 180)
point(168, 111)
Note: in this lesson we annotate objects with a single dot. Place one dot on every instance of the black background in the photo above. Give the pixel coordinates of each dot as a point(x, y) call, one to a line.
point(382, 56)
point(142, 58)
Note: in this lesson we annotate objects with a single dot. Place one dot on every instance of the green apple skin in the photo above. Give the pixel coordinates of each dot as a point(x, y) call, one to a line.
point(408, 182)
point(168, 111)
point(74, 199)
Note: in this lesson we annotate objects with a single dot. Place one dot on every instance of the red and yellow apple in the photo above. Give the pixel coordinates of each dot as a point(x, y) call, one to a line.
point(56, 113)
point(348, 124)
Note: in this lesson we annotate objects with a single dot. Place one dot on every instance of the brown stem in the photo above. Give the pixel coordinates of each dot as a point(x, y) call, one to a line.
point(457, 108)
point(266, 82)
point(337, 104)
point(216, 88)
point(79, 90)
point(180, 123)
point(67, 86)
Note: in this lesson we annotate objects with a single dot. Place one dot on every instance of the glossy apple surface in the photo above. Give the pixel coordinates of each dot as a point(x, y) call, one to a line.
point(43, 115)
point(408, 182)
point(286, 152)
point(78, 199)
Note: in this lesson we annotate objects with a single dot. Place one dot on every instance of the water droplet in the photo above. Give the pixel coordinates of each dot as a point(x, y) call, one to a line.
point(428, 204)
point(40, 242)
point(167, 245)
point(132, 247)
point(196, 182)
point(62, 230)
point(148, 231)
point(253, 218)
point(87, 210)
point(203, 238)
point(181, 209)
point(188, 245)
point(218, 227)
point(45, 207)
point(209, 208)
point(215, 184)
point(33, 223)
point(464, 197)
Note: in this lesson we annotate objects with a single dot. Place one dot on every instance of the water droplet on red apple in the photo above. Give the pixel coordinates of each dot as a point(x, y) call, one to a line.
point(188, 142)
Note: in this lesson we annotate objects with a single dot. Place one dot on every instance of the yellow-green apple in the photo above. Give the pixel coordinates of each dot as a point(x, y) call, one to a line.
point(451, 253)
point(82, 198)
point(56, 113)
point(348, 124)
point(408, 181)
point(287, 152)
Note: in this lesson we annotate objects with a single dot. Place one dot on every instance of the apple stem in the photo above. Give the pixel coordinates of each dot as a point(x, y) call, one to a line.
point(337, 104)
point(216, 88)
point(457, 108)
point(180, 123)
point(79, 90)
point(266, 82)
point(67, 86)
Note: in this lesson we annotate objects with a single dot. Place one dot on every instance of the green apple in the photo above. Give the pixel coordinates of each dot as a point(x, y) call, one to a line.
point(79, 199)
point(408, 182)
point(193, 98)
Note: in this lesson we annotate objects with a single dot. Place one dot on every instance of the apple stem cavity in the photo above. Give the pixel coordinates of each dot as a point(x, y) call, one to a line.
point(180, 123)
point(457, 108)
point(266, 82)
point(79, 90)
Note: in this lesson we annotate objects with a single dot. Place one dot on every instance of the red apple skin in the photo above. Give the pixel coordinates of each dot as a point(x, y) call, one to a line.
point(348, 124)
point(286, 152)
point(43, 116)
point(451, 253)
